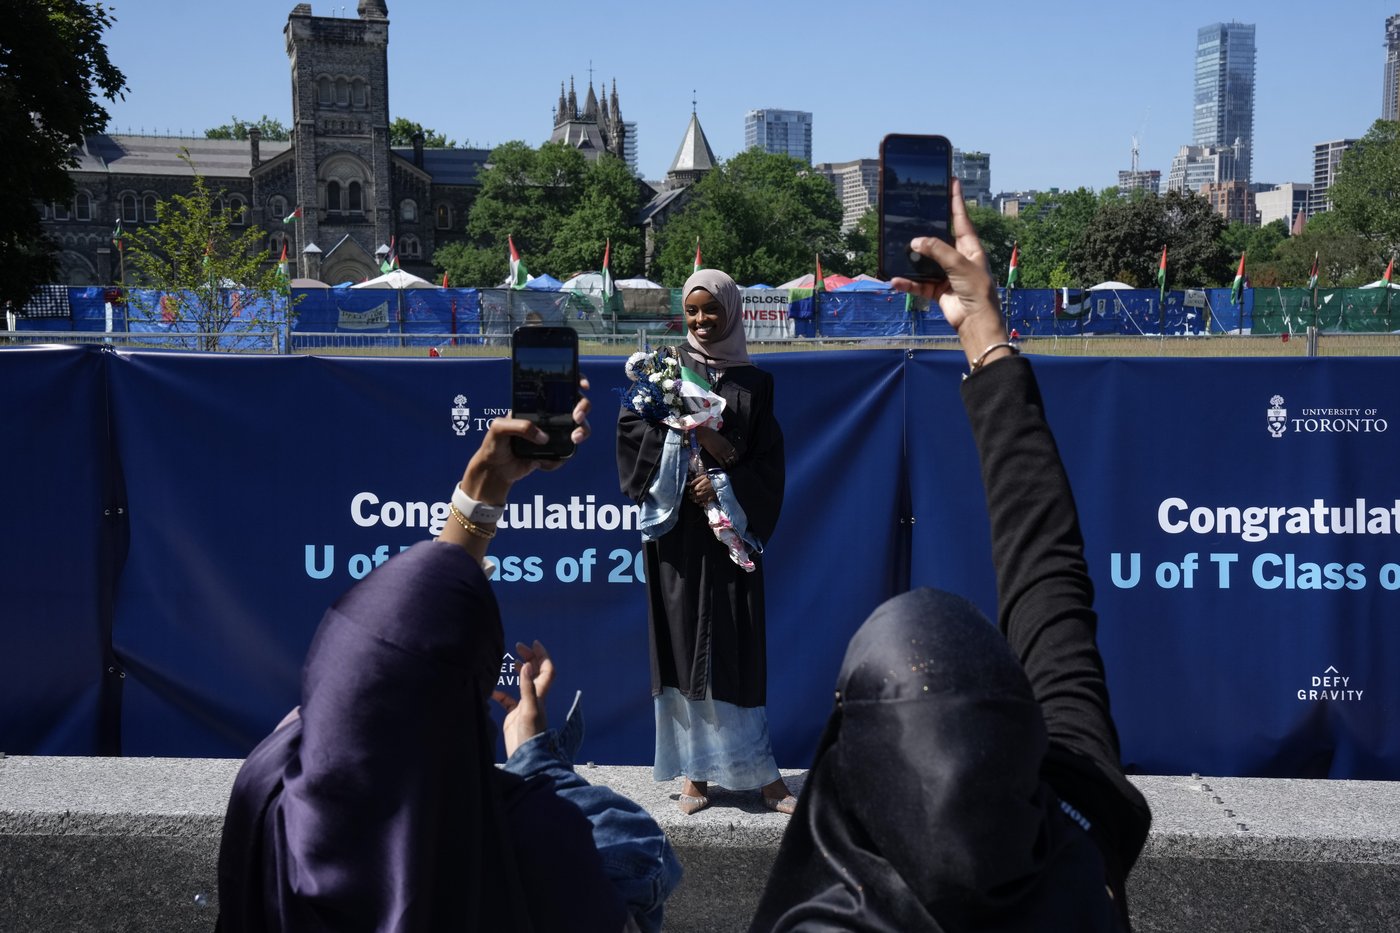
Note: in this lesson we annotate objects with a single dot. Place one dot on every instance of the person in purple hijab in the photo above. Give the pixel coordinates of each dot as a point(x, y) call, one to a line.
point(377, 804)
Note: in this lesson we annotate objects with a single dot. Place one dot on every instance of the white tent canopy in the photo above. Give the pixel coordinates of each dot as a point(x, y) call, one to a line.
point(637, 283)
point(1379, 282)
point(1116, 286)
point(396, 278)
point(587, 283)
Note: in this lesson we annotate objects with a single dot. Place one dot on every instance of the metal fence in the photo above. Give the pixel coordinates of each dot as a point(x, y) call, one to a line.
point(1310, 343)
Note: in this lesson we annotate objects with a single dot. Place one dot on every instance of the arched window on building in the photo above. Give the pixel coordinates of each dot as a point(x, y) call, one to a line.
point(239, 208)
point(355, 199)
point(333, 197)
point(408, 210)
point(342, 92)
point(361, 94)
point(276, 207)
point(275, 244)
point(410, 248)
point(444, 216)
point(325, 90)
point(61, 211)
point(82, 206)
point(129, 209)
point(217, 205)
point(149, 208)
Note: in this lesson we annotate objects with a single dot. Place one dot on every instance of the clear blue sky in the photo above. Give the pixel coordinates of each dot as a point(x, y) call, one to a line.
point(1054, 91)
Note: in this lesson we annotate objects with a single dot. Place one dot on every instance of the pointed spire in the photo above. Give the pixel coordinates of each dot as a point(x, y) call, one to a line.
point(573, 100)
point(590, 104)
point(617, 111)
point(695, 154)
point(559, 116)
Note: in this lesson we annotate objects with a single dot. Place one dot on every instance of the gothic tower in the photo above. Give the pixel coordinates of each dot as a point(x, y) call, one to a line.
point(340, 135)
point(595, 127)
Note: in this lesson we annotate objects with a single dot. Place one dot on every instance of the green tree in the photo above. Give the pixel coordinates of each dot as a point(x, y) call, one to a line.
point(760, 217)
point(1366, 192)
point(270, 127)
point(401, 132)
point(559, 208)
point(860, 248)
point(1050, 228)
point(998, 234)
point(1344, 257)
point(1260, 246)
point(53, 70)
point(1124, 242)
point(202, 269)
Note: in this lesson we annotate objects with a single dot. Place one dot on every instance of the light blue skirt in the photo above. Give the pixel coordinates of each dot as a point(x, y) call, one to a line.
point(713, 741)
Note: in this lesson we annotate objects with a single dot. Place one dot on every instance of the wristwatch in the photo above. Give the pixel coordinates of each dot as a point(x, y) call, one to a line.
point(474, 511)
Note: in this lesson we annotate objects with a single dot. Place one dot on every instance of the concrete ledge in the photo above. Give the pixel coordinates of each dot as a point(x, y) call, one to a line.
point(117, 844)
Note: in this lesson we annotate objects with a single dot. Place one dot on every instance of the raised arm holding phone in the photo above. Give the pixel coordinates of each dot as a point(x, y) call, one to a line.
point(969, 775)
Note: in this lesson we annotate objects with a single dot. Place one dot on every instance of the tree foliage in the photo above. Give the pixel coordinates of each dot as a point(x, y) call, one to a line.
point(1366, 192)
point(560, 209)
point(1344, 257)
point(860, 248)
point(200, 268)
point(401, 132)
point(999, 234)
point(269, 127)
point(53, 70)
point(1124, 239)
point(1049, 229)
point(760, 217)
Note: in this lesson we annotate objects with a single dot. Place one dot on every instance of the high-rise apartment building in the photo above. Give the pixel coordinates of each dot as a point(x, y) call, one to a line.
point(1223, 115)
point(1390, 90)
point(857, 184)
point(974, 170)
point(1194, 167)
point(1326, 159)
point(788, 132)
point(1140, 180)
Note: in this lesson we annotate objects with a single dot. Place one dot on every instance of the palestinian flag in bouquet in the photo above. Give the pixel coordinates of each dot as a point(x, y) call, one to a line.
point(699, 405)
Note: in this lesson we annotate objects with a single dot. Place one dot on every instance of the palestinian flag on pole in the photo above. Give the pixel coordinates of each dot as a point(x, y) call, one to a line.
point(391, 262)
point(282, 264)
point(698, 264)
point(819, 283)
point(1312, 276)
point(117, 237)
point(294, 215)
point(519, 275)
point(1013, 273)
point(699, 405)
point(1162, 277)
point(1237, 288)
point(1385, 282)
point(444, 279)
point(607, 273)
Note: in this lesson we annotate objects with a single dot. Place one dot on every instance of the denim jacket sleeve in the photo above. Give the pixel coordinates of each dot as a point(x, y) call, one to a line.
point(636, 855)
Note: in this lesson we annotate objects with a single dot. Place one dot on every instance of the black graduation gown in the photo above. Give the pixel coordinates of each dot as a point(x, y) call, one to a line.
point(706, 614)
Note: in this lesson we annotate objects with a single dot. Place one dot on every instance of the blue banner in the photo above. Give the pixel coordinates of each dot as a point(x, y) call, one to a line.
point(183, 520)
point(1241, 530)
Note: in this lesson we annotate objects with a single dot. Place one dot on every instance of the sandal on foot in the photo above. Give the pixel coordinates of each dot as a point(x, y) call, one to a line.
point(786, 804)
point(689, 804)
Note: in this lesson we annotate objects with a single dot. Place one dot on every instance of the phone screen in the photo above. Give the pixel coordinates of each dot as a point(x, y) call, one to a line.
point(544, 387)
point(915, 184)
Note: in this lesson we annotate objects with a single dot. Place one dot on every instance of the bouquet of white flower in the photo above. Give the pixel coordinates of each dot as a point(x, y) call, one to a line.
point(664, 391)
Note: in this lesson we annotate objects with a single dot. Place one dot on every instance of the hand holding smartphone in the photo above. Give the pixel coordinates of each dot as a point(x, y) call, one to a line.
point(916, 178)
point(544, 388)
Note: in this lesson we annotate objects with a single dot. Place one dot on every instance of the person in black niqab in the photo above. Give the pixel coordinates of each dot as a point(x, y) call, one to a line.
point(969, 775)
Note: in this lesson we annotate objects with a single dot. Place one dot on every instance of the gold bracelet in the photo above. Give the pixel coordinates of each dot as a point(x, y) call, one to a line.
point(472, 527)
point(977, 363)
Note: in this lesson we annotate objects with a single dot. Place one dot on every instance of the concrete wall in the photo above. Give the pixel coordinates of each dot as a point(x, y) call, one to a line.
point(118, 844)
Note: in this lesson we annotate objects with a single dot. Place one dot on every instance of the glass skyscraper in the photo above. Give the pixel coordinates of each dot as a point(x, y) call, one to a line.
point(1224, 101)
point(788, 132)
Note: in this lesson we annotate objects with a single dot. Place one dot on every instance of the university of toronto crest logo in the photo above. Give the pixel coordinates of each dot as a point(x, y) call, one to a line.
point(461, 416)
point(1278, 417)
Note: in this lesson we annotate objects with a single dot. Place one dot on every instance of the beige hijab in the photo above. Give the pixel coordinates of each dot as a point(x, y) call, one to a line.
point(730, 348)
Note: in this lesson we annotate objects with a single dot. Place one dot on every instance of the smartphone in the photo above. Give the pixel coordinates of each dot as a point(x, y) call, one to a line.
point(544, 388)
point(916, 177)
